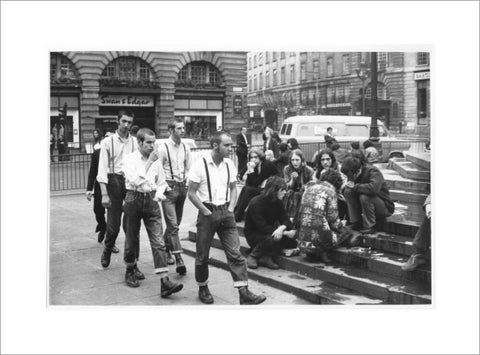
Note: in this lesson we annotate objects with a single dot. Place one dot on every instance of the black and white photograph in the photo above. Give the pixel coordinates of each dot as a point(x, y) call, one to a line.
point(205, 179)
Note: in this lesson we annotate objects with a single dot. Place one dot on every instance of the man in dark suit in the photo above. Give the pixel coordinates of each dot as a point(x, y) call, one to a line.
point(242, 151)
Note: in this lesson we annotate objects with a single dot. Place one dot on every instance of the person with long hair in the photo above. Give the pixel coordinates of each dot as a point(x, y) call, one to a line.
point(270, 142)
point(283, 156)
point(268, 229)
point(258, 171)
point(296, 174)
point(320, 228)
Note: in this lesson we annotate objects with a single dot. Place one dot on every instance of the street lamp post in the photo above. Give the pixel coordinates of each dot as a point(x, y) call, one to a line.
point(363, 73)
point(374, 133)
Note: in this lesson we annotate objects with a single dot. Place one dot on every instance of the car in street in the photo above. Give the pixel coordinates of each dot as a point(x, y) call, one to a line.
point(308, 130)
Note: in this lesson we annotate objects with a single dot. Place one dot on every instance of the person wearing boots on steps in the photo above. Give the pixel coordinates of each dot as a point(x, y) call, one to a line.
point(212, 189)
point(112, 180)
point(175, 158)
point(145, 184)
point(268, 228)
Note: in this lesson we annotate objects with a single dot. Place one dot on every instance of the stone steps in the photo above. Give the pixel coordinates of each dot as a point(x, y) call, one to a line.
point(389, 289)
point(390, 243)
point(420, 159)
point(409, 170)
point(312, 290)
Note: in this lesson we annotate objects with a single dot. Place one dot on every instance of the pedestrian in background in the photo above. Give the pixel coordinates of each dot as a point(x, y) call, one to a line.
point(112, 180)
point(212, 190)
point(175, 159)
point(52, 147)
point(93, 188)
point(61, 147)
point(283, 157)
point(242, 152)
point(270, 143)
point(329, 138)
point(292, 144)
point(145, 186)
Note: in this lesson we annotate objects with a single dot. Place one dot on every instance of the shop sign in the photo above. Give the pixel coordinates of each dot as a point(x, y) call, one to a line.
point(424, 75)
point(237, 89)
point(237, 105)
point(126, 100)
point(343, 104)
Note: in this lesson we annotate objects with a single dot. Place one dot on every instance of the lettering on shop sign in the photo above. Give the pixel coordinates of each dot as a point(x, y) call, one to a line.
point(422, 75)
point(126, 100)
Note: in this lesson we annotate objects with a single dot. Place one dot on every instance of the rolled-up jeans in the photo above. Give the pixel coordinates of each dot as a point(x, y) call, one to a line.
point(140, 206)
point(173, 212)
point(222, 222)
point(116, 192)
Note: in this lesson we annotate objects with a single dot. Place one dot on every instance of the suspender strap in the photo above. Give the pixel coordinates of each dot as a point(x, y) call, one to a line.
point(169, 160)
point(208, 181)
point(184, 160)
point(113, 157)
point(228, 183)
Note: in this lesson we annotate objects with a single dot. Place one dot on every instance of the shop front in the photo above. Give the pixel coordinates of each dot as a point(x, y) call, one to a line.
point(142, 106)
point(65, 120)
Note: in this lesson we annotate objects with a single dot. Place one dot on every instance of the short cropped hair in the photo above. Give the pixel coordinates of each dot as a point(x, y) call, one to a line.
point(355, 145)
point(350, 166)
point(142, 133)
point(134, 129)
point(217, 138)
point(128, 113)
point(273, 185)
point(329, 129)
point(173, 122)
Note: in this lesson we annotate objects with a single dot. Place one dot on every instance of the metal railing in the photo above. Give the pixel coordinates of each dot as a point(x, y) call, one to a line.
point(70, 171)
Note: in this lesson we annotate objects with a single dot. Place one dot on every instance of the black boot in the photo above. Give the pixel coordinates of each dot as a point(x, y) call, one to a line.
point(130, 278)
point(138, 274)
point(205, 295)
point(247, 297)
point(168, 287)
point(181, 269)
point(105, 259)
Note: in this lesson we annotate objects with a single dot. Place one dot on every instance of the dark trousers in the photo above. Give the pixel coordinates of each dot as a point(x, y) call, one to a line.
point(116, 192)
point(173, 213)
point(422, 239)
point(264, 244)
point(242, 164)
point(138, 207)
point(365, 208)
point(222, 222)
point(99, 211)
point(248, 192)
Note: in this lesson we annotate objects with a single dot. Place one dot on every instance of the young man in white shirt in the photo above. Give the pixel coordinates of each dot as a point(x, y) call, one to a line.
point(212, 189)
point(145, 184)
point(112, 181)
point(175, 158)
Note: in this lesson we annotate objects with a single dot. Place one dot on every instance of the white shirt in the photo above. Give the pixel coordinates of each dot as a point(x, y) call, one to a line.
point(181, 160)
point(218, 179)
point(137, 179)
point(121, 147)
point(246, 140)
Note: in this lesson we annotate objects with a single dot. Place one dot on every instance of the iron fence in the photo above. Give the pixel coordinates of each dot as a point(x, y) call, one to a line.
point(70, 171)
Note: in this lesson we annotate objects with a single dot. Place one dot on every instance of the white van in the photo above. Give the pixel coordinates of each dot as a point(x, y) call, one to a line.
point(346, 129)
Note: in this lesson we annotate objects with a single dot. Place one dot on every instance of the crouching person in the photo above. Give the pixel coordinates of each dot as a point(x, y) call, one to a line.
point(145, 184)
point(267, 225)
point(367, 196)
point(320, 229)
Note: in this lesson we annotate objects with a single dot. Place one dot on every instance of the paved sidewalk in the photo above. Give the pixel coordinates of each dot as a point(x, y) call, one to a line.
point(77, 278)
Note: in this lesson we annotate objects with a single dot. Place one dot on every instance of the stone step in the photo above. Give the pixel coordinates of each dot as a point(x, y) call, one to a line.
point(420, 159)
point(397, 182)
point(404, 196)
point(363, 281)
point(409, 170)
point(389, 243)
point(404, 228)
point(312, 290)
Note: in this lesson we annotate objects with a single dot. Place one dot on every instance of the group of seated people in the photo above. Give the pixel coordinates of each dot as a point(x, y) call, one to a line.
point(310, 210)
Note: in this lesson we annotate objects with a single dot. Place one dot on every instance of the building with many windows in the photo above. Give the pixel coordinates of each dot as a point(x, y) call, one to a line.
point(283, 84)
point(87, 90)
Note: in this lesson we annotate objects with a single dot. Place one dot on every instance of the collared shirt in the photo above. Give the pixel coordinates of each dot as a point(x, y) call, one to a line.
point(180, 157)
point(218, 179)
point(137, 179)
point(121, 147)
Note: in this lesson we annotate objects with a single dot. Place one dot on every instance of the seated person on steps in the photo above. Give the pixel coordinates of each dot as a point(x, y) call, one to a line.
point(267, 226)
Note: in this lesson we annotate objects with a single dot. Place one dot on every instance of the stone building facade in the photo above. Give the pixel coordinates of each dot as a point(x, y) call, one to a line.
point(283, 84)
point(207, 89)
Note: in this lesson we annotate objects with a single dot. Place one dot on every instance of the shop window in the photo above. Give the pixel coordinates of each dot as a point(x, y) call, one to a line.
point(200, 74)
point(422, 102)
point(199, 127)
point(330, 66)
point(62, 69)
point(423, 58)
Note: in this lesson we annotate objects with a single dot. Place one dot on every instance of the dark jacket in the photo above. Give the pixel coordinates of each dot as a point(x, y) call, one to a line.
point(329, 140)
point(272, 145)
point(92, 174)
point(371, 183)
point(267, 169)
point(264, 216)
point(242, 148)
point(282, 161)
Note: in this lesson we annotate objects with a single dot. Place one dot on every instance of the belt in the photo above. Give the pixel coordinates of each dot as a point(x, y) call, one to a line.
point(150, 193)
point(213, 207)
point(175, 181)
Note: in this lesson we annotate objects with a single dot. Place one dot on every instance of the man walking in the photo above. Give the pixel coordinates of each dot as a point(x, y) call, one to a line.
point(212, 189)
point(242, 152)
point(112, 181)
point(329, 138)
point(145, 185)
point(175, 158)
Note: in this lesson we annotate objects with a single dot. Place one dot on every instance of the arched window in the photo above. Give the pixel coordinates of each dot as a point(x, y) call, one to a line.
point(199, 74)
point(131, 70)
point(62, 69)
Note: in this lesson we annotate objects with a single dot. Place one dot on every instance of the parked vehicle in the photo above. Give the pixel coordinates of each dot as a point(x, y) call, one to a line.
point(346, 129)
